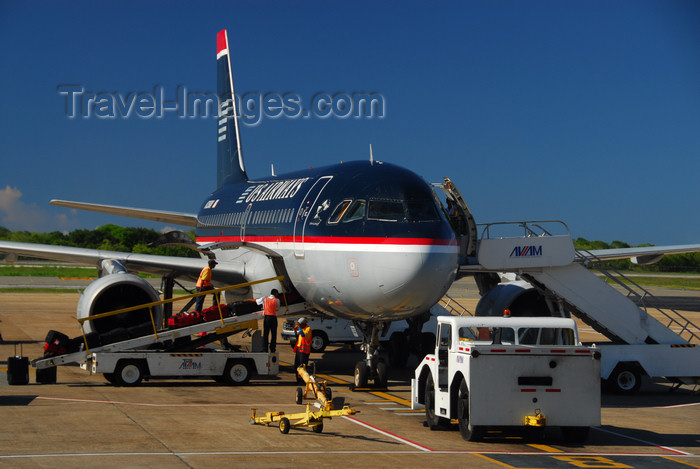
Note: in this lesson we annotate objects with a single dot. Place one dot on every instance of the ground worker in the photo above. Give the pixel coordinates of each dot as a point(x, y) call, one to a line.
point(270, 306)
point(303, 345)
point(204, 284)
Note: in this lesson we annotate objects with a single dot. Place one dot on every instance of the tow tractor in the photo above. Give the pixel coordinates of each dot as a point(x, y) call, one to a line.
point(507, 371)
point(328, 407)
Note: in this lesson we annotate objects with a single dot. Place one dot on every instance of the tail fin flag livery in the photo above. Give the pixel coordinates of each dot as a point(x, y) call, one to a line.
point(230, 168)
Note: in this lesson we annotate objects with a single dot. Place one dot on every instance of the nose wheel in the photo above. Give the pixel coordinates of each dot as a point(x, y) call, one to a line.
point(372, 368)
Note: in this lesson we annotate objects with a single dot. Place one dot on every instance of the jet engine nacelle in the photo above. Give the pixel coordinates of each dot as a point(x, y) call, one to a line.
point(118, 291)
point(518, 296)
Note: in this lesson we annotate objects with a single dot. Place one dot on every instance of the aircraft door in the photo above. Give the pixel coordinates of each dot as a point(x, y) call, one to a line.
point(244, 221)
point(309, 208)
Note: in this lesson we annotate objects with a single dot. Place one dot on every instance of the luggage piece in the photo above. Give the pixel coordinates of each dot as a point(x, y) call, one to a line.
point(115, 335)
point(185, 319)
point(240, 308)
point(46, 375)
point(17, 370)
point(211, 314)
point(56, 343)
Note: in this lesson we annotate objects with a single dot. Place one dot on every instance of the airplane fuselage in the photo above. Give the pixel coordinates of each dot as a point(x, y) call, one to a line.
point(359, 240)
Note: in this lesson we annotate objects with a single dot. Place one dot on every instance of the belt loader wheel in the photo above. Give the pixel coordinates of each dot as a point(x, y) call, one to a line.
point(468, 431)
point(128, 373)
point(284, 425)
point(237, 372)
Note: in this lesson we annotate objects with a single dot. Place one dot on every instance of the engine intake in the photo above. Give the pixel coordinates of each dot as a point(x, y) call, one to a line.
point(114, 292)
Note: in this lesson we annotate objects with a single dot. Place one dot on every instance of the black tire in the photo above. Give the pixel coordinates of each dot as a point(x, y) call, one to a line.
point(284, 425)
point(299, 397)
point(434, 422)
point(110, 378)
point(128, 373)
point(466, 429)
point(46, 375)
point(319, 341)
point(625, 379)
point(328, 392)
point(237, 372)
point(317, 428)
point(361, 375)
point(575, 434)
point(382, 376)
point(398, 350)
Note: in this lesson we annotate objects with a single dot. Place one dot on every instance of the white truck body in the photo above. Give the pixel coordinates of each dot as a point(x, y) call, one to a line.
point(513, 372)
point(131, 366)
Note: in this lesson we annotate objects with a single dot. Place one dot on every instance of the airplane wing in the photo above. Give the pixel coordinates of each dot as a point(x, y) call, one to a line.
point(639, 255)
point(146, 263)
point(177, 218)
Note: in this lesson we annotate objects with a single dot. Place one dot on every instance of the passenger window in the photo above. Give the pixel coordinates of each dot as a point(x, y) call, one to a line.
point(356, 211)
point(386, 210)
point(339, 212)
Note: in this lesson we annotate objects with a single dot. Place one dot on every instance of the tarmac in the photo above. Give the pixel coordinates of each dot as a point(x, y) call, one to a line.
point(83, 421)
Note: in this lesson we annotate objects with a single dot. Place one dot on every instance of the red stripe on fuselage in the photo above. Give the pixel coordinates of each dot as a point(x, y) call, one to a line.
point(332, 240)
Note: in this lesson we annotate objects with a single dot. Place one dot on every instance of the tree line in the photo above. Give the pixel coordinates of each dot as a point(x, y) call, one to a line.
point(106, 237)
point(117, 238)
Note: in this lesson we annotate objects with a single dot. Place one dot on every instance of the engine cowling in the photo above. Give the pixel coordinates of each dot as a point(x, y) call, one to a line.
point(518, 296)
point(113, 292)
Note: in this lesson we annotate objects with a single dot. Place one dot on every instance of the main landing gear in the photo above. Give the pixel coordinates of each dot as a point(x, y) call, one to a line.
point(372, 367)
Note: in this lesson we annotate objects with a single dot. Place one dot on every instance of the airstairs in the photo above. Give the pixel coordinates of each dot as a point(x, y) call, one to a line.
point(655, 339)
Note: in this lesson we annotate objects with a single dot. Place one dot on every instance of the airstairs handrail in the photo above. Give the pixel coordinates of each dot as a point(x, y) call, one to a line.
point(529, 227)
point(453, 306)
point(590, 260)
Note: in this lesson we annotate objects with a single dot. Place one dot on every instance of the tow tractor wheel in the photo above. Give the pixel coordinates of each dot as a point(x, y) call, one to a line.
point(361, 375)
point(284, 425)
point(237, 372)
point(435, 422)
point(128, 373)
point(468, 431)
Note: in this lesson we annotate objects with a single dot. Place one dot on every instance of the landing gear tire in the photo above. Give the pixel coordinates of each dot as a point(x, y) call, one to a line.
point(128, 373)
point(284, 425)
point(434, 422)
point(319, 341)
point(398, 350)
point(361, 375)
point(625, 379)
point(381, 377)
point(468, 431)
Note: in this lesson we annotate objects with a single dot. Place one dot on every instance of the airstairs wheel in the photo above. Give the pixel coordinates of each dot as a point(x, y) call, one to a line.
point(625, 379)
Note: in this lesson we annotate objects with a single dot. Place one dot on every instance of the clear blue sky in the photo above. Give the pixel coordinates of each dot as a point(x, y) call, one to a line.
point(585, 111)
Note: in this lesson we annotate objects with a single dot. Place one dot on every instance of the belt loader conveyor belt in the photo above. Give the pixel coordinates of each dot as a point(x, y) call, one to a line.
point(230, 324)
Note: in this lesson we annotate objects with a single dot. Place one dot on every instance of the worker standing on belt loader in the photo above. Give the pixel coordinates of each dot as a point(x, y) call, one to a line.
point(204, 284)
point(303, 345)
point(270, 306)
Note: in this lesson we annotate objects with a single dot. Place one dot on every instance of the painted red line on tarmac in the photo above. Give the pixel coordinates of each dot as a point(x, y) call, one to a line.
point(384, 432)
point(147, 404)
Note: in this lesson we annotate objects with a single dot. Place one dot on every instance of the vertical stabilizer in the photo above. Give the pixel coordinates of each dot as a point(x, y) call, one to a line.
point(230, 168)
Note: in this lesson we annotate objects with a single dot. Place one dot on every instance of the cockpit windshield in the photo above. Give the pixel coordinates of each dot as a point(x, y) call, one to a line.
point(388, 210)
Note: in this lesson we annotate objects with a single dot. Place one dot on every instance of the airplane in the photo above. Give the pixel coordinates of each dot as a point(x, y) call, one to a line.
point(366, 241)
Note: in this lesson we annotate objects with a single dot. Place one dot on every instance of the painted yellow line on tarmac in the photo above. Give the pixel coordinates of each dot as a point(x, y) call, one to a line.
point(546, 448)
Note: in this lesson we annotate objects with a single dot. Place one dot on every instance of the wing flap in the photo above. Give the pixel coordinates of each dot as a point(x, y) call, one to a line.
point(176, 218)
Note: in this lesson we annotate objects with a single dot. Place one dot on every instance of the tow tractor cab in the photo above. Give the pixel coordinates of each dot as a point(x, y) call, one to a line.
point(509, 371)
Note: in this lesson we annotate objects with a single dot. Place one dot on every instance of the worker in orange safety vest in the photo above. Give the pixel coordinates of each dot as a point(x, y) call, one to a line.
point(270, 306)
point(303, 346)
point(204, 284)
